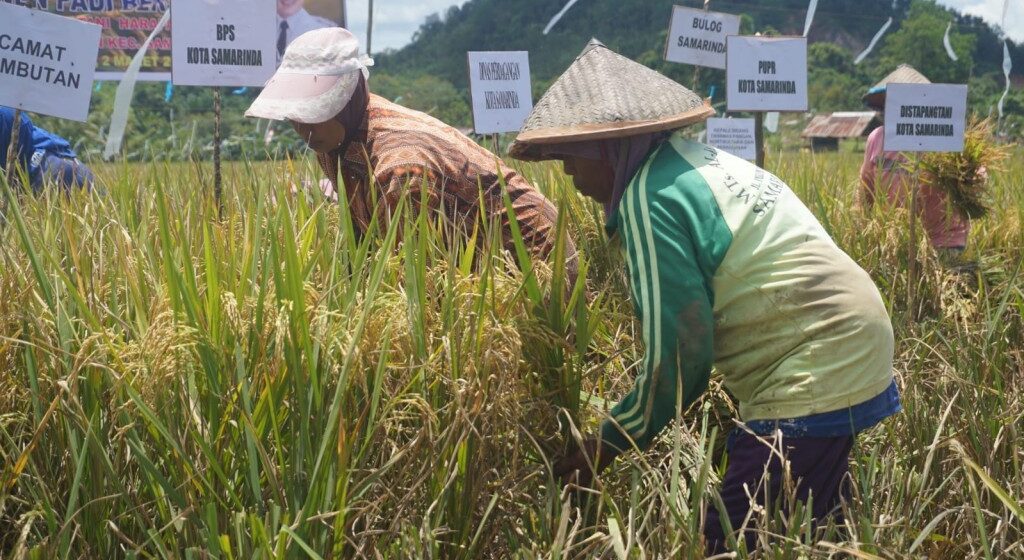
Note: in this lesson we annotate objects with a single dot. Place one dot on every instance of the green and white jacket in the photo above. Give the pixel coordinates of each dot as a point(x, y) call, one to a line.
point(729, 269)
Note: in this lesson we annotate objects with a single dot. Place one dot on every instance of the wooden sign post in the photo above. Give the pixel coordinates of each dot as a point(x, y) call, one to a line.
point(499, 85)
point(766, 74)
point(923, 118)
point(230, 43)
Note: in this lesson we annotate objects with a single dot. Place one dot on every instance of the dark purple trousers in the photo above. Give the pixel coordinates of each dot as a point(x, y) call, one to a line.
point(818, 466)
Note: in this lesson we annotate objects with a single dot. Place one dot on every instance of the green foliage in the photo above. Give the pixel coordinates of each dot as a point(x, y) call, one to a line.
point(835, 83)
point(181, 129)
point(918, 42)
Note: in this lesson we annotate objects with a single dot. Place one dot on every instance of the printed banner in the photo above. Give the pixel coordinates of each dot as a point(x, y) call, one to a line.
point(226, 43)
point(925, 117)
point(698, 37)
point(499, 84)
point(766, 74)
point(127, 23)
point(46, 62)
point(295, 17)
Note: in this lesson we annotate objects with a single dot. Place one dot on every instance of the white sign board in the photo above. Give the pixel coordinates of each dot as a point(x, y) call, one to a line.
point(925, 117)
point(698, 37)
point(766, 73)
point(499, 83)
point(735, 136)
point(223, 43)
point(47, 62)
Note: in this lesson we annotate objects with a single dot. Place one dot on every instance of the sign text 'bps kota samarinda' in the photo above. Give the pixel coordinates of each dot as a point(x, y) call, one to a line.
point(228, 43)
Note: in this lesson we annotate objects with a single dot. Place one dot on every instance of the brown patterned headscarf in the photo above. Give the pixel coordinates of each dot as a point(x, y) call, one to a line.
point(353, 117)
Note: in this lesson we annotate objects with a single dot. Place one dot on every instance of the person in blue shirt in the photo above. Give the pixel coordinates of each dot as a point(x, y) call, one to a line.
point(45, 157)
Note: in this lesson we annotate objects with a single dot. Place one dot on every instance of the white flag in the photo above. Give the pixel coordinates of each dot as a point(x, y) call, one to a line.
point(811, 8)
point(559, 15)
point(123, 96)
point(946, 43)
point(1007, 65)
point(873, 42)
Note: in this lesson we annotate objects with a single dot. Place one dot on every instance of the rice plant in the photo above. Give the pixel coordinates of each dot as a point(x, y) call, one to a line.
point(269, 384)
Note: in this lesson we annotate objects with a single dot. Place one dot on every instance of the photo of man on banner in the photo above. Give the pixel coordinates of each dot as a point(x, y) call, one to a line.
point(295, 17)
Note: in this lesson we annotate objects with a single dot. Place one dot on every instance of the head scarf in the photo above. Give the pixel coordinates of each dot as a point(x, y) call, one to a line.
point(353, 117)
point(623, 155)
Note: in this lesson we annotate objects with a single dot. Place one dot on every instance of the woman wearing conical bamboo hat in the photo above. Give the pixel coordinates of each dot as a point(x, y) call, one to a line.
point(727, 269)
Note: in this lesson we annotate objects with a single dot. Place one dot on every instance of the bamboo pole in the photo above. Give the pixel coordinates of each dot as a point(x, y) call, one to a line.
point(12, 149)
point(696, 68)
point(759, 138)
point(369, 27)
point(217, 185)
point(912, 270)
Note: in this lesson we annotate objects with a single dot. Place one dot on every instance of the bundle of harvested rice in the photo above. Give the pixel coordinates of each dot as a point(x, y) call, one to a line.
point(964, 175)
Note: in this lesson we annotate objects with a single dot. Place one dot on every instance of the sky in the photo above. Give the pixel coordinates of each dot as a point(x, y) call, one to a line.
point(396, 20)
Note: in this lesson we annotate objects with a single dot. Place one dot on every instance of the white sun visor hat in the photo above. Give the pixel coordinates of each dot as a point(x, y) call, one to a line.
point(317, 77)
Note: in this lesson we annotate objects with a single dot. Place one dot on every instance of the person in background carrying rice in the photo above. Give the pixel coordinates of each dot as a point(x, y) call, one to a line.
point(727, 267)
point(45, 157)
point(945, 224)
point(376, 152)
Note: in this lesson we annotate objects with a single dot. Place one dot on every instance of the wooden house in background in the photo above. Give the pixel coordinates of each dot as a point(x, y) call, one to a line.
point(825, 131)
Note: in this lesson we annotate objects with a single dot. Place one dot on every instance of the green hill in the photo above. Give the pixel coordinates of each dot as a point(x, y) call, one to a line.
point(638, 29)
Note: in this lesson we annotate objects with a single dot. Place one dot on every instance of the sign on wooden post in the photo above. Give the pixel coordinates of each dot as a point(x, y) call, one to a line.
point(227, 43)
point(925, 117)
point(735, 136)
point(698, 37)
point(766, 73)
point(47, 62)
point(224, 43)
point(499, 83)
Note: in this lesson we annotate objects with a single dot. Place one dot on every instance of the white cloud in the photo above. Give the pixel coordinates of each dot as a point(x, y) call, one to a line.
point(992, 12)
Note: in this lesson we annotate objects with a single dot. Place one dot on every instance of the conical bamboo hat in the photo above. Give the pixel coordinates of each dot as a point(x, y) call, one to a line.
point(606, 95)
point(903, 74)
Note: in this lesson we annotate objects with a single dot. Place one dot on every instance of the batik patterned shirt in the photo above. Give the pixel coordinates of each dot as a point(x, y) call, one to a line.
point(409, 152)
